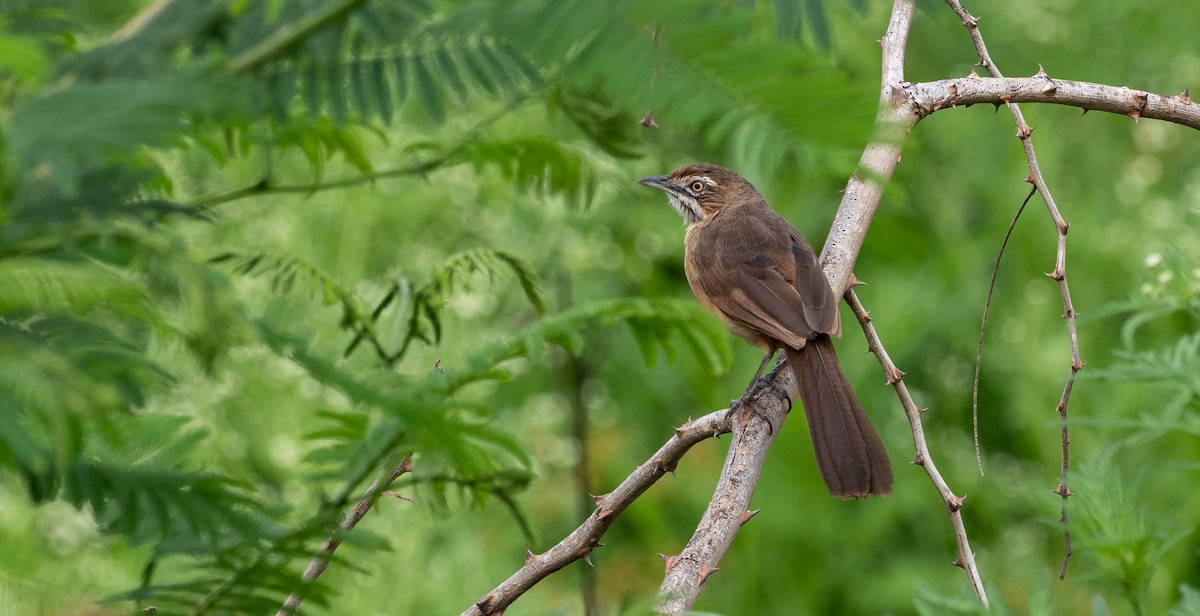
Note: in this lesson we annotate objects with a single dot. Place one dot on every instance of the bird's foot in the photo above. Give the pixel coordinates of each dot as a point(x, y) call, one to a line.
point(745, 408)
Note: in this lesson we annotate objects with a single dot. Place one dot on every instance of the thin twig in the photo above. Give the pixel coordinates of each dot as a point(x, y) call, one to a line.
point(266, 186)
point(288, 35)
point(987, 306)
point(580, 543)
point(924, 459)
point(1024, 131)
point(351, 519)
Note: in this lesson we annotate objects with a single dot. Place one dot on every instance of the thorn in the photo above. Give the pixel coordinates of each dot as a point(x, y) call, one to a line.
point(485, 604)
point(1057, 274)
point(970, 21)
point(648, 120)
point(1135, 115)
point(603, 513)
point(1063, 227)
point(1141, 98)
point(399, 496)
point(921, 410)
point(1063, 491)
point(879, 41)
point(668, 561)
point(587, 558)
point(1025, 131)
point(1050, 87)
point(679, 432)
point(597, 498)
point(1029, 179)
point(918, 461)
point(953, 90)
point(1076, 364)
point(746, 515)
point(958, 563)
point(437, 365)
point(1184, 97)
point(974, 74)
point(530, 556)
point(705, 571)
point(955, 504)
point(894, 375)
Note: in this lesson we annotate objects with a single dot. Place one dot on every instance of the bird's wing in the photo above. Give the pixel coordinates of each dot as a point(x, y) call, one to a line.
point(762, 291)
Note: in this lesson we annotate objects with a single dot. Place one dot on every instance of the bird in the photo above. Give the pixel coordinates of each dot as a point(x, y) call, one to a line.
point(751, 268)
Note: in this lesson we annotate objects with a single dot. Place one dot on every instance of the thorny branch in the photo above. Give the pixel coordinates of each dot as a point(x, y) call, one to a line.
point(924, 459)
point(1024, 132)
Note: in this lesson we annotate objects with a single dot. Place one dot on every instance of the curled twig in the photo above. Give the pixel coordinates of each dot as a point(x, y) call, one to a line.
point(987, 305)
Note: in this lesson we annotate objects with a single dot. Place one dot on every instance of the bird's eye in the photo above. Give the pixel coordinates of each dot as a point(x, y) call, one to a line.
point(697, 186)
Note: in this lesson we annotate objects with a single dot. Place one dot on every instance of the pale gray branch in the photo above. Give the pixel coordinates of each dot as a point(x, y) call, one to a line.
point(933, 96)
point(755, 425)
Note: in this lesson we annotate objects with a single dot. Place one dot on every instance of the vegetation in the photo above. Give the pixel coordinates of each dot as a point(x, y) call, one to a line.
point(255, 253)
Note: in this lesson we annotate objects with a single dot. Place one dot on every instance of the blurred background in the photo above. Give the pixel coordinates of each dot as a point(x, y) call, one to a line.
point(253, 252)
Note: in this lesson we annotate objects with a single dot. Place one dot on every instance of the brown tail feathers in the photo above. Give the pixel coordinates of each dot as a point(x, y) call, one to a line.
point(850, 456)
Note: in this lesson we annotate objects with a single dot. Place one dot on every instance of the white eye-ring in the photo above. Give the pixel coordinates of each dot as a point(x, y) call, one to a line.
point(697, 186)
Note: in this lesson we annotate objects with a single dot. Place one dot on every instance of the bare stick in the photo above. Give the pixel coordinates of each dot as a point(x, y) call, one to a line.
point(924, 459)
point(1024, 131)
point(351, 519)
point(580, 543)
point(987, 305)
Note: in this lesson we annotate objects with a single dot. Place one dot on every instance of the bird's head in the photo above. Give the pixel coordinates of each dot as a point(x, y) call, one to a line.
point(702, 191)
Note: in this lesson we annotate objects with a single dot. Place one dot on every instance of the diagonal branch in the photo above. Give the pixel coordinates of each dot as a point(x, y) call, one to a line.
point(580, 543)
point(924, 459)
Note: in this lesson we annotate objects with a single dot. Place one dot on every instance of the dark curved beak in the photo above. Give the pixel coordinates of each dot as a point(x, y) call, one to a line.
point(661, 182)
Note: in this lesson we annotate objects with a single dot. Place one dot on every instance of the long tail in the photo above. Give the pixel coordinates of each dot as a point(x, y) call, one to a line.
point(850, 456)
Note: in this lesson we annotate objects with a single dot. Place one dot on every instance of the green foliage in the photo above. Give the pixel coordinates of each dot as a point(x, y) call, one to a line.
point(451, 181)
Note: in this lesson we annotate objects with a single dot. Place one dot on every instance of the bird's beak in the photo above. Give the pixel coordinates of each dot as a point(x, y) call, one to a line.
point(661, 182)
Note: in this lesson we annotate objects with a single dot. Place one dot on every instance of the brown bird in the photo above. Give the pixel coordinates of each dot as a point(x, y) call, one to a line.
point(752, 268)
